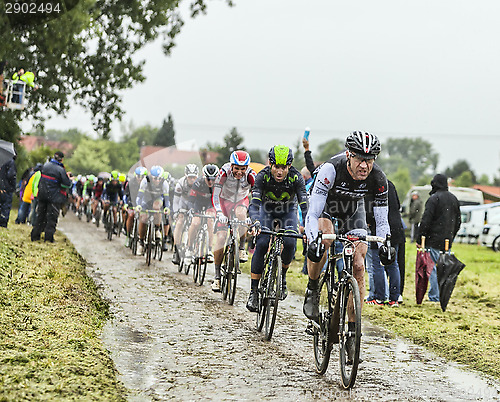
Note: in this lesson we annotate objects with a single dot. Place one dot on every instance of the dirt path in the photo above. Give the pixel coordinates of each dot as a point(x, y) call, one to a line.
point(171, 339)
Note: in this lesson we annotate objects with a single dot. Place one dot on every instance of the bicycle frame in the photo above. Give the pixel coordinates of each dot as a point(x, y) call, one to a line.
point(340, 323)
point(230, 267)
point(270, 282)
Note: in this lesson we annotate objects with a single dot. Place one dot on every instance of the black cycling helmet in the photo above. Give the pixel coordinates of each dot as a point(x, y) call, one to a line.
point(363, 144)
point(210, 171)
point(280, 155)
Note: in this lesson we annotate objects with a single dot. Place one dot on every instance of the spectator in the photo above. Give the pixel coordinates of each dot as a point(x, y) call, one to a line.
point(51, 195)
point(378, 293)
point(8, 178)
point(440, 221)
point(416, 209)
point(27, 196)
point(34, 191)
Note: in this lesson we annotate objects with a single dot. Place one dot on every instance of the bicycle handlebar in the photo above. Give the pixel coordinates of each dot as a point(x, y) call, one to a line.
point(283, 234)
point(368, 238)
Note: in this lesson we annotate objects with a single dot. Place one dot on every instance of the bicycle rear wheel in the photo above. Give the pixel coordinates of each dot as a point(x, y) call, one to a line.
point(350, 340)
point(322, 336)
point(273, 293)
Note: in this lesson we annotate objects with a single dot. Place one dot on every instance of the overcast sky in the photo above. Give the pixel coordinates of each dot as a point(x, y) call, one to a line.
point(272, 67)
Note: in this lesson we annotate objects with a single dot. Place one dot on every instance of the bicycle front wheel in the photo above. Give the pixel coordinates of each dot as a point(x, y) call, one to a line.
point(233, 276)
point(349, 338)
point(149, 244)
point(322, 335)
point(273, 294)
point(202, 259)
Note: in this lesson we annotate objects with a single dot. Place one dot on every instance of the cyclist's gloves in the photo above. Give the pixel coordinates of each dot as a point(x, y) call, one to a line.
point(248, 221)
point(138, 208)
point(387, 255)
point(166, 210)
point(222, 218)
point(313, 253)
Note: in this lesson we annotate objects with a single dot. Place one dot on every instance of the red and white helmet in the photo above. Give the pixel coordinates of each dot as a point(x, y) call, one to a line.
point(240, 158)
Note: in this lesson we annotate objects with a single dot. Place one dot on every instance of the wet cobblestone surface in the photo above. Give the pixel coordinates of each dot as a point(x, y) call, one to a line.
point(173, 340)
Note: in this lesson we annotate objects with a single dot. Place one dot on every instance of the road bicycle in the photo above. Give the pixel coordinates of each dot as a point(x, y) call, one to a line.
point(269, 289)
point(336, 298)
point(230, 267)
point(109, 221)
point(202, 248)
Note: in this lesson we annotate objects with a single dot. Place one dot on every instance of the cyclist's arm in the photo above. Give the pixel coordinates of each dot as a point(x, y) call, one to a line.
point(302, 199)
point(141, 192)
point(381, 208)
point(319, 194)
point(257, 190)
point(219, 182)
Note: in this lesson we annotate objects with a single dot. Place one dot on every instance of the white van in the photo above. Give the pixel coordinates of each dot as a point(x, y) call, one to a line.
point(490, 236)
point(474, 219)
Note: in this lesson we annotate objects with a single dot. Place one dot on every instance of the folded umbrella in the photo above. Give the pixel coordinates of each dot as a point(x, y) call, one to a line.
point(423, 268)
point(448, 268)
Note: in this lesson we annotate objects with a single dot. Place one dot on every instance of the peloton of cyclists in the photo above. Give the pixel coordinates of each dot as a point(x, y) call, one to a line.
point(340, 187)
point(200, 200)
point(181, 204)
point(152, 195)
point(278, 189)
point(231, 189)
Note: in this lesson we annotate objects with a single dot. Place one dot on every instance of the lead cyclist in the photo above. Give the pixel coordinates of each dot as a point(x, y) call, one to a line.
point(340, 186)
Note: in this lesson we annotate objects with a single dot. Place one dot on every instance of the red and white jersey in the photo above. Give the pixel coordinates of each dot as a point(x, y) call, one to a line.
point(229, 188)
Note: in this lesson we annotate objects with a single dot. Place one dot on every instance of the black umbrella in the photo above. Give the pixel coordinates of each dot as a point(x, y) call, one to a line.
point(7, 151)
point(448, 268)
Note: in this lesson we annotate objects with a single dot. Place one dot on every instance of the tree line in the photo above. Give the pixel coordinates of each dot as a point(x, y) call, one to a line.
point(406, 161)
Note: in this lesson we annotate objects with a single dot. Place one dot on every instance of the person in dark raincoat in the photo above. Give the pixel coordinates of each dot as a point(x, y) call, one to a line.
point(54, 182)
point(8, 178)
point(440, 221)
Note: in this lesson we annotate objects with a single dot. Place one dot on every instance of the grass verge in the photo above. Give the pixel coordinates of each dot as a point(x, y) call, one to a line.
point(468, 332)
point(51, 316)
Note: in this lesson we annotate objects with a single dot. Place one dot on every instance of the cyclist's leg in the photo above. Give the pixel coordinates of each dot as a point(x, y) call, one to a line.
point(311, 301)
point(143, 218)
point(179, 224)
point(325, 225)
point(193, 229)
point(241, 212)
point(211, 223)
point(130, 221)
point(219, 255)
